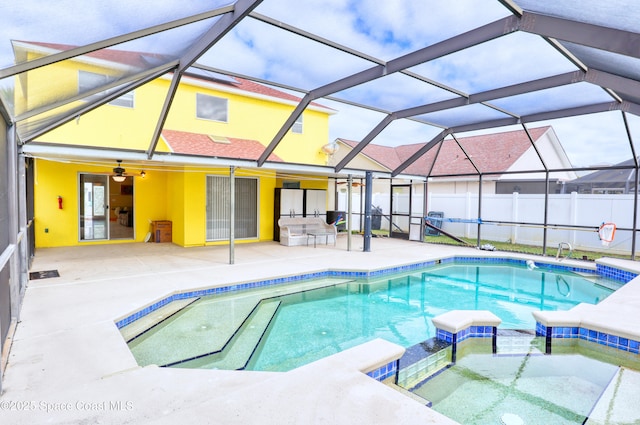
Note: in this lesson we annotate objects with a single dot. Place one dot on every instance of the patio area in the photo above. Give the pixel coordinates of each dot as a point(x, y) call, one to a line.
point(69, 364)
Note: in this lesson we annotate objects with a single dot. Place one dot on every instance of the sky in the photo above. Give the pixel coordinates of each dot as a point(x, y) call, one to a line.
point(383, 30)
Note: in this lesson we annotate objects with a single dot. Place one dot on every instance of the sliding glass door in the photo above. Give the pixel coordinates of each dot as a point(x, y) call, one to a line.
point(94, 208)
point(246, 208)
point(106, 208)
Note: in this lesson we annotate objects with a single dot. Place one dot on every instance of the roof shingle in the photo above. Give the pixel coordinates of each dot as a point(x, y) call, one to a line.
point(490, 152)
point(186, 143)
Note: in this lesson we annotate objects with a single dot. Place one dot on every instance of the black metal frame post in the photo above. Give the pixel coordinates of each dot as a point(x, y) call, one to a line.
point(368, 195)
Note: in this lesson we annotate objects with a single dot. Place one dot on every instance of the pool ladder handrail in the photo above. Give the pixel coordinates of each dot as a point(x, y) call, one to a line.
point(560, 245)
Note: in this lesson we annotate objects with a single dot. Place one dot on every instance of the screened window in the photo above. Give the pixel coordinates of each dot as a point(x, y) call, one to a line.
point(297, 126)
point(246, 208)
point(212, 107)
point(90, 80)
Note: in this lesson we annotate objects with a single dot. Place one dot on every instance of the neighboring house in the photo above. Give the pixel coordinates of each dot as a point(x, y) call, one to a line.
point(499, 156)
point(214, 121)
point(611, 181)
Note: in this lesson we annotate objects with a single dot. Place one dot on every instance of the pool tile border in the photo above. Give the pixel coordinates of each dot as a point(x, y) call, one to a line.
point(615, 273)
point(602, 338)
point(384, 372)
point(470, 332)
point(609, 271)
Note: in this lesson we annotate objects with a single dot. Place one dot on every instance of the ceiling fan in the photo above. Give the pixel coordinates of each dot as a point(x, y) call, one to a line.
point(118, 173)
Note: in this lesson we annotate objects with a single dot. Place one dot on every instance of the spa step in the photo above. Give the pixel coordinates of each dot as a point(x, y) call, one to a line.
point(236, 354)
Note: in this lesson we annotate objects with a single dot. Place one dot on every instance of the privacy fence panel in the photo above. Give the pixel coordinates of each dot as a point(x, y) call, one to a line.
point(564, 212)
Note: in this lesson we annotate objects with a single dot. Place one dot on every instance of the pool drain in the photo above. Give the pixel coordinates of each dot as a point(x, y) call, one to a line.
point(511, 419)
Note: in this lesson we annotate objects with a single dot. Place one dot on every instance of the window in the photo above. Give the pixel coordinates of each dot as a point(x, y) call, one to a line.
point(90, 80)
point(246, 208)
point(297, 126)
point(211, 107)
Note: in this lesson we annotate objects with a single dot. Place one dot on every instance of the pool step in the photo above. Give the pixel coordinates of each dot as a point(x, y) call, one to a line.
point(207, 326)
point(236, 354)
point(410, 394)
point(145, 323)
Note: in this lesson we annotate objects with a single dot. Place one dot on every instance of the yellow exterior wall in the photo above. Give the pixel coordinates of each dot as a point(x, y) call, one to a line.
point(117, 126)
point(248, 118)
point(191, 215)
point(159, 196)
point(53, 226)
point(254, 119)
point(178, 195)
point(53, 179)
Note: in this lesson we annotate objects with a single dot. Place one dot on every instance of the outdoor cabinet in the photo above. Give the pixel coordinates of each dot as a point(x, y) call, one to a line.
point(315, 203)
point(286, 203)
point(298, 203)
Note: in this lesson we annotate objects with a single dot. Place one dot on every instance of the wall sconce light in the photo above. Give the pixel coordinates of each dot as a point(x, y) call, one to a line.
point(143, 174)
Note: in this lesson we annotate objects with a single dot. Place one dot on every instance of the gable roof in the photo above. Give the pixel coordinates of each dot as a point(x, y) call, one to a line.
point(186, 143)
point(495, 152)
point(610, 176)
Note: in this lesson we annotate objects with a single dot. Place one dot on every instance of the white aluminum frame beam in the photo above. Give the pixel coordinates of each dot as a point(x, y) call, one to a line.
point(228, 21)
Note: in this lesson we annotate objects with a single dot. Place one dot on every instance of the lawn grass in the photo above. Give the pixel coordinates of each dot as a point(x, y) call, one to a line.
point(577, 254)
point(526, 249)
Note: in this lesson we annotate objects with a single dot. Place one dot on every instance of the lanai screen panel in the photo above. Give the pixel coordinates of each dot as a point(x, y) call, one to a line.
point(613, 13)
point(262, 51)
point(78, 23)
point(593, 140)
point(508, 60)
point(385, 30)
point(313, 44)
point(92, 77)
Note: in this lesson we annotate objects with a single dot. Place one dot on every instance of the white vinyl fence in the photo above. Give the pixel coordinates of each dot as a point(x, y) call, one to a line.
point(564, 211)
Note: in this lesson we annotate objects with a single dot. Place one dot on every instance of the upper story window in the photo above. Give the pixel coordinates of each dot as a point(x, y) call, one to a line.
point(90, 80)
point(297, 126)
point(212, 108)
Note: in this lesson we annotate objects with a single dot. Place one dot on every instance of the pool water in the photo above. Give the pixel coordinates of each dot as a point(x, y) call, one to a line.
point(261, 331)
point(480, 388)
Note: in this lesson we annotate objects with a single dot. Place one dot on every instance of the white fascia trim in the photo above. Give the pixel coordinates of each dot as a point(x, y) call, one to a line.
point(219, 87)
point(85, 59)
point(109, 156)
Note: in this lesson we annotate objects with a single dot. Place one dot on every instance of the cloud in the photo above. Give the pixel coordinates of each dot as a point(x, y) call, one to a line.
point(594, 139)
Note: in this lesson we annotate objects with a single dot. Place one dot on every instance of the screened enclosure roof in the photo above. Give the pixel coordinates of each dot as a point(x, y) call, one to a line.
point(396, 72)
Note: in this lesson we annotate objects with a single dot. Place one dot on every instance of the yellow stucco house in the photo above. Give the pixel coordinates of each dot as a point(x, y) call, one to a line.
point(93, 184)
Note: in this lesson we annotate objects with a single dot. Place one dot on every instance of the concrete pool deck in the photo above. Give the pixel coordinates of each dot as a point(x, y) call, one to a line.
point(69, 364)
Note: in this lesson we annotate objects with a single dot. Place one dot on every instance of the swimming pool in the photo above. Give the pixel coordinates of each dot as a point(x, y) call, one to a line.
point(278, 329)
